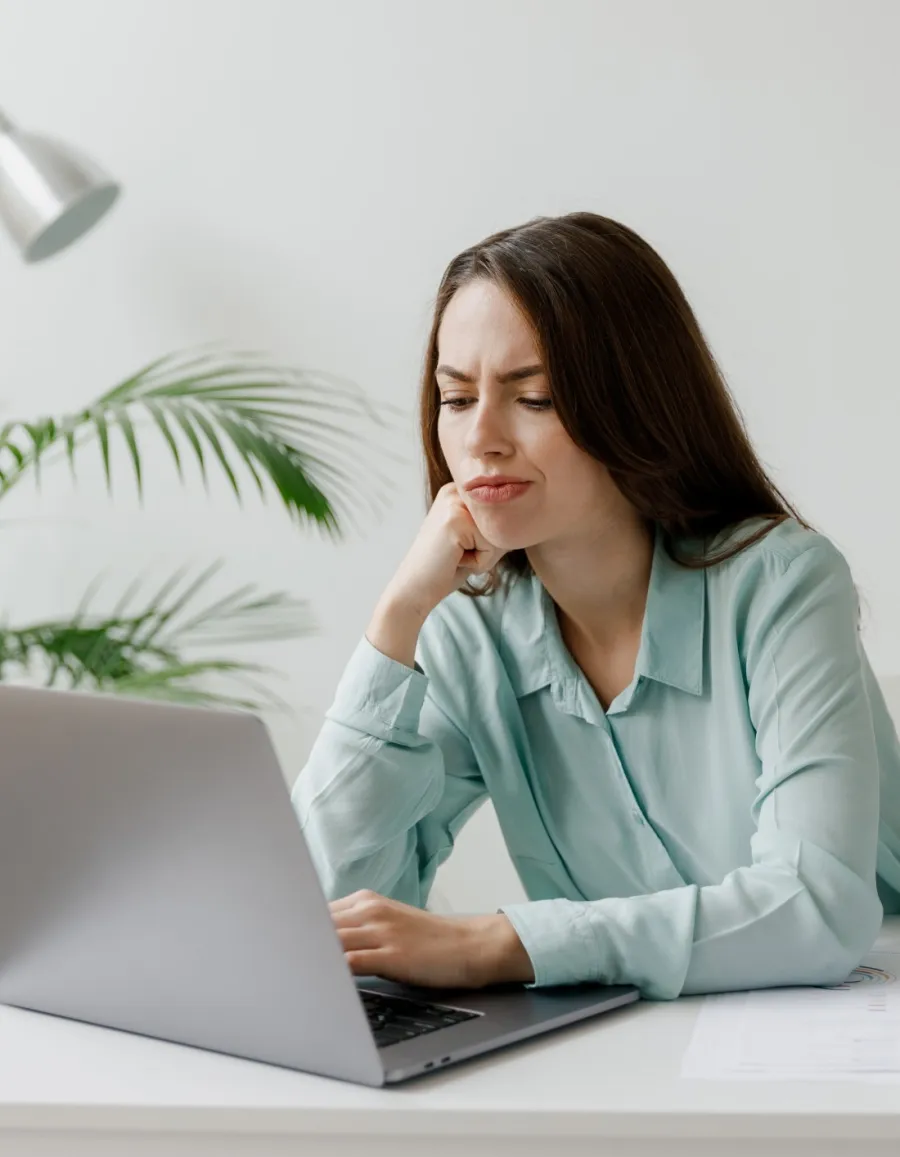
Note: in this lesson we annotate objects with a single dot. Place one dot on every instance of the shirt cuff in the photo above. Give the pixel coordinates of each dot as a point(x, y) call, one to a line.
point(560, 940)
point(380, 696)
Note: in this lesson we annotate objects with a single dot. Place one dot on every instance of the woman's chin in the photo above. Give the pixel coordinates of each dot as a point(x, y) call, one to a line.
point(505, 542)
point(504, 532)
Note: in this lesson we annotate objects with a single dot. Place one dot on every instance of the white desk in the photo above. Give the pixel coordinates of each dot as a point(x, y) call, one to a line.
point(610, 1088)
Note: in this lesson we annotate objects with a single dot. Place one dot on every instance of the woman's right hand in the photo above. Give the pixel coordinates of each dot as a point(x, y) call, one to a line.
point(446, 551)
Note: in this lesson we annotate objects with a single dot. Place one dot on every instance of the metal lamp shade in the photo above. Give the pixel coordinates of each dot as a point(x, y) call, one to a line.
point(49, 193)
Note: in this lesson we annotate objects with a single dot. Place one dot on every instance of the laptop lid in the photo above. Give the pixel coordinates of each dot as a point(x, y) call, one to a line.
point(155, 879)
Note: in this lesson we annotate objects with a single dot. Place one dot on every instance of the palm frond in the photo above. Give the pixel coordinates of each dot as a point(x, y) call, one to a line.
point(142, 652)
point(302, 432)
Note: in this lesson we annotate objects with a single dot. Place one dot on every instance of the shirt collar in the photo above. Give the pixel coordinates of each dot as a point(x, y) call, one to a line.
point(671, 647)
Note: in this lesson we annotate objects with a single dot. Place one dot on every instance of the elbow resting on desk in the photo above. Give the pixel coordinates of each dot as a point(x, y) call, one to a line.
point(816, 935)
point(833, 946)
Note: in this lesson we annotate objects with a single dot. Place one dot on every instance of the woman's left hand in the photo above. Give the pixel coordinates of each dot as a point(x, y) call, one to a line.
point(383, 937)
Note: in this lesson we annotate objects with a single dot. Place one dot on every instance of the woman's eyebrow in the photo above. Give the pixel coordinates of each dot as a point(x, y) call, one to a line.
point(518, 375)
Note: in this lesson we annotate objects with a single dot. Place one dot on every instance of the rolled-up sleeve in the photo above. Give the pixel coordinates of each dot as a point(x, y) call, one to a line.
point(806, 909)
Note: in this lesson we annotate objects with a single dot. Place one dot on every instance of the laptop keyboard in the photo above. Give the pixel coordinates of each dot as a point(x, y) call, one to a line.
point(394, 1018)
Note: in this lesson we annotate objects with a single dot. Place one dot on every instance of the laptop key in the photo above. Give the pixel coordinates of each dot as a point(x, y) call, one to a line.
point(395, 1018)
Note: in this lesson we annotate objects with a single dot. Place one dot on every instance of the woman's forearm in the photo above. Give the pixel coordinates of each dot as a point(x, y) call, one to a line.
point(394, 630)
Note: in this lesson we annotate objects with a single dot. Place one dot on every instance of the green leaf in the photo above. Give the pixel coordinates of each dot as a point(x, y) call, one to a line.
point(302, 431)
point(158, 415)
point(207, 428)
point(300, 437)
point(123, 418)
point(142, 651)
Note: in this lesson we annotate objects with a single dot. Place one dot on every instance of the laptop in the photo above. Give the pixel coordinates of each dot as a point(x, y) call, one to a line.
point(156, 880)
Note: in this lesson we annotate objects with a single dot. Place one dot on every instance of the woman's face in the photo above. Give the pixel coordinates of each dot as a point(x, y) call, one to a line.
point(497, 419)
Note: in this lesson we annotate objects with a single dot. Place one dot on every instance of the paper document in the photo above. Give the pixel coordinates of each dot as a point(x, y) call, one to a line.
point(850, 1031)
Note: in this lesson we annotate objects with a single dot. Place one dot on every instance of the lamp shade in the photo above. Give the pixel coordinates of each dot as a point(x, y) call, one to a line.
point(49, 193)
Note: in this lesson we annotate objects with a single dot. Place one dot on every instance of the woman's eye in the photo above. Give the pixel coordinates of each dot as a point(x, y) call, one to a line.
point(529, 403)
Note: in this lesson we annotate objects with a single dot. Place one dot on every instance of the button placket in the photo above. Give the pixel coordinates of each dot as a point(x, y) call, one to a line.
point(657, 856)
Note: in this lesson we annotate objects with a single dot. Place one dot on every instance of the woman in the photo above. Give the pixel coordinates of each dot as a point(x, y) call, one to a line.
point(660, 683)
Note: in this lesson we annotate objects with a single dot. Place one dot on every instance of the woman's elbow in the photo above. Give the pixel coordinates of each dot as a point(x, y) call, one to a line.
point(852, 935)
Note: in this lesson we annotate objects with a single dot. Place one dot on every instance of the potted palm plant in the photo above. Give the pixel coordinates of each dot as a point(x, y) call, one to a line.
point(290, 434)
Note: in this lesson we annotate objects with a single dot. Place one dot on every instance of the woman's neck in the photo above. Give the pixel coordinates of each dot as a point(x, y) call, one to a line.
point(599, 583)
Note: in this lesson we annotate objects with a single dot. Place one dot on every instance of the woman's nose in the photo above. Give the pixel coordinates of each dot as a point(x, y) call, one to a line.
point(487, 432)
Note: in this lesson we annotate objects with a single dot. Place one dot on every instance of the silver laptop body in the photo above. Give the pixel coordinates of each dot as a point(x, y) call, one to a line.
point(155, 879)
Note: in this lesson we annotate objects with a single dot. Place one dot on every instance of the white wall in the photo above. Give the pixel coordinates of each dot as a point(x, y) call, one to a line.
point(298, 174)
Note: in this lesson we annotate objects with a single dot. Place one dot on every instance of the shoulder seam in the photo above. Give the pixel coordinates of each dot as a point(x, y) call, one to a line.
point(787, 556)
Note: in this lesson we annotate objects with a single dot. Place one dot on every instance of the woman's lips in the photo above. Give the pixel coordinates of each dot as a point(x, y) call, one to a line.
point(504, 492)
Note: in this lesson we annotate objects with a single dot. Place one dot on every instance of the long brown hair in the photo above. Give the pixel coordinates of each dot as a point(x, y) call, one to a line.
point(631, 376)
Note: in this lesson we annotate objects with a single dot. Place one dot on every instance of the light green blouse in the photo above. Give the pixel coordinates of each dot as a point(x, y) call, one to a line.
point(717, 828)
